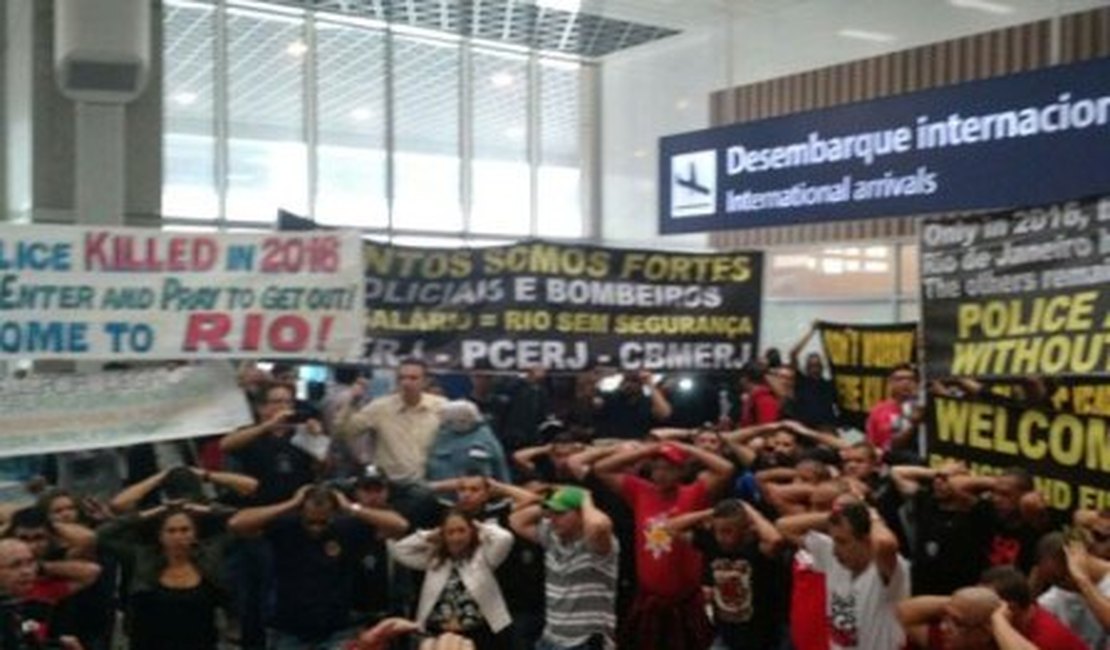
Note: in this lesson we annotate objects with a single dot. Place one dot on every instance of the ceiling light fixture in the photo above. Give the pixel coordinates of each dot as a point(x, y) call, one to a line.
point(361, 114)
point(570, 6)
point(865, 35)
point(983, 5)
point(297, 48)
point(185, 98)
point(501, 80)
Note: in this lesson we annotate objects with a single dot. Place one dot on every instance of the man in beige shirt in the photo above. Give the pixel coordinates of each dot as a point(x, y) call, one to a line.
point(403, 424)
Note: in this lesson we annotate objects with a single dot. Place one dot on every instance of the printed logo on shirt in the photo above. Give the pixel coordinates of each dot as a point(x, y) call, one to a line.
point(332, 548)
point(732, 590)
point(843, 626)
point(1004, 550)
point(657, 538)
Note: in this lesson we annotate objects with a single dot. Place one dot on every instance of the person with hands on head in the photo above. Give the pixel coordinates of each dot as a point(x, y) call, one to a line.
point(22, 625)
point(668, 609)
point(742, 574)
point(865, 577)
point(1077, 588)
point(814, 396)
point(181, 484)
point(460, 593)
point(1091, 576)
point(318, 538)
point(581, 561)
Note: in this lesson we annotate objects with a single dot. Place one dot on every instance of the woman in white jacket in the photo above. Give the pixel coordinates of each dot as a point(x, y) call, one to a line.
point(460, 593)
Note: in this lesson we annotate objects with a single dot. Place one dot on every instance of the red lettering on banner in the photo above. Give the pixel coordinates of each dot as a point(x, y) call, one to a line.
point(105, 251)
point(210, 332)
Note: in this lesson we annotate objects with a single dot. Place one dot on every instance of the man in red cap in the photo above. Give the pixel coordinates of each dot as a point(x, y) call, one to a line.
point(668, 612)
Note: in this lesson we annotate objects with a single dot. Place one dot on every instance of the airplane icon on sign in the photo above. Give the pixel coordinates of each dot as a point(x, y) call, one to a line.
point(691, 183)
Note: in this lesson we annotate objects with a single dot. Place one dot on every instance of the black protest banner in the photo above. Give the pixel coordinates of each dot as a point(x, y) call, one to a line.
point(860, 358)
point(1018, 293)
point(1068, 453)
point(563, 307)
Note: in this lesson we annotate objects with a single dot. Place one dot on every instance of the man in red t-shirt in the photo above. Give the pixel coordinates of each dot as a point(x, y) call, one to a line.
point(668, 612)
point(892, 423)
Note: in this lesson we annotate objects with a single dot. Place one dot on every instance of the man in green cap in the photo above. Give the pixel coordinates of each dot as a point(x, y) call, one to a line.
point(580, 557)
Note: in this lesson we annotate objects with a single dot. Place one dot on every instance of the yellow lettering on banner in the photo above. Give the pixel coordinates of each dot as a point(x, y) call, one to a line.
point(887, 349)
point(527, 321)
point(584, 323)
point(1089, 399)
point(848, 391)
point(695, 269)
point(874, 391)
point(1045, 314)
point(432, 265)
point(418, 320)
point(1057, 494)
point(546, 259)
point(1032, 447)
point(841, 346)
point(1060, 353)
point(1092, 498)
point(984, 421)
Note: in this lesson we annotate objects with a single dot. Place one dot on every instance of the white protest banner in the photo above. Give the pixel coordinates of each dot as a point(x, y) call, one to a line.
point(71, 292)
point(52, 413)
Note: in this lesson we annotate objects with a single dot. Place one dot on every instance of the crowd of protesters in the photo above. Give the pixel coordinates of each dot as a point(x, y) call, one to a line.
point(517, 517)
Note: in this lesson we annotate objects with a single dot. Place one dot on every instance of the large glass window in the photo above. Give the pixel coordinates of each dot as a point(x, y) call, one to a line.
point(390, 128)
point(267, 156)
point(426, 164)
point(501, 178)
point(189, 155)
point(351, 123)
point(561, 133)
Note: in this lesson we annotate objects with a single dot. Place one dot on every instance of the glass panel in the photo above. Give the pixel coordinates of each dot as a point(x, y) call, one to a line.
point(909, 311)
point(426, 134)
point(784, 323)
point(911, 271)
point(560, 175)
point(351, 160)
point(189, 145)
point(851, 270)
point(501, 178)
point(267, 156)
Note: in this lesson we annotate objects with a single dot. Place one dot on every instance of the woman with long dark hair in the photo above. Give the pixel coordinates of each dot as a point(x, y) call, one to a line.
point(460, 592)
point(175, 588)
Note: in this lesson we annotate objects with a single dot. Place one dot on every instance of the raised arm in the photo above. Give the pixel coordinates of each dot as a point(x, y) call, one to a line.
point(416, 550)
point(77, 574)
point(240, 484)
point(389, 523)
point(885, 546)
point(495, 543)
point(252, 521)
point(597, 527)
point(908, 478)
point(796, 350)
point(581, 463)
point(1087, 571)
point(660, 407)
point(610, 470)
point(80, 541)
point(720, 469)
point(682, 523)
point(130, 497)
point(518, 495)
point(1005, 634)
point(795, 527)
point(244, 436)
point(526, 458)
point(525, 522)
point(819, 437)
point(770, 539)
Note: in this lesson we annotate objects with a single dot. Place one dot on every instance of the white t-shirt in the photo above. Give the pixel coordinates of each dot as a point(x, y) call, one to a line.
point(1070, 608)
point(861, 610)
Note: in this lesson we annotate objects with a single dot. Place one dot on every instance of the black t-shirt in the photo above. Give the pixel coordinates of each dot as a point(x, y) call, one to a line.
point(814, 401)
point(747, 596)
point(316, 579)
point(175, 619)
point(624, 416)
point(949, 546)
point(1013, 540)
point(279, 467)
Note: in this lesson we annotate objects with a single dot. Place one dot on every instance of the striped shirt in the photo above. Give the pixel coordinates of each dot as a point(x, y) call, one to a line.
point(581, 590)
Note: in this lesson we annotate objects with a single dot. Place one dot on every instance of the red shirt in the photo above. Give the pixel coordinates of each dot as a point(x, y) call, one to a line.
point(666, 565)
point(50, 590)
point(808, 623)
point(880, 423)
point(760, 407)
point(1048, 633)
